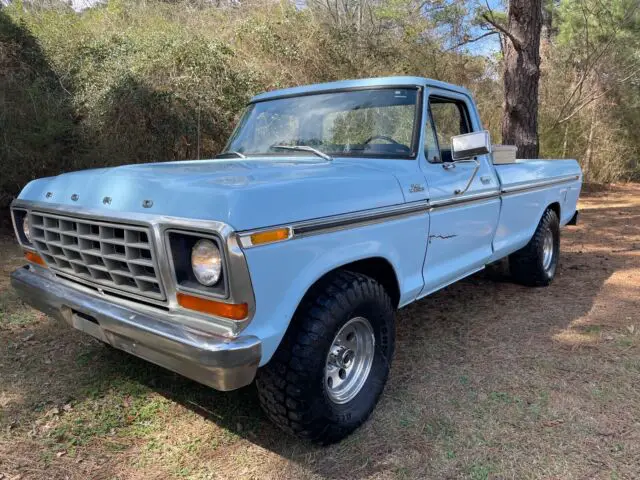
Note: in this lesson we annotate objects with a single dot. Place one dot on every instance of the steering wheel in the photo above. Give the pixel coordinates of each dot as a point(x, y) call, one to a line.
point(381, 137)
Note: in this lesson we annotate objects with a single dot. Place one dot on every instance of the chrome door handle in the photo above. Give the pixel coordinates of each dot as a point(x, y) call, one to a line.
point(448, 165)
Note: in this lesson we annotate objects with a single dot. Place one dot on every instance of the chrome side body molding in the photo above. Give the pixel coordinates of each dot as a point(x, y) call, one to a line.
point(385, 214)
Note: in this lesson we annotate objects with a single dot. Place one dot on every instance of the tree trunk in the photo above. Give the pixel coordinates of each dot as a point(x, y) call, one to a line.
point(565, 141)
point(521, 77)
point(588, 155)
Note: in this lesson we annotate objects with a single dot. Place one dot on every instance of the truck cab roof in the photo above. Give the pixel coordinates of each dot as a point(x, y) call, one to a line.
point(398, 81)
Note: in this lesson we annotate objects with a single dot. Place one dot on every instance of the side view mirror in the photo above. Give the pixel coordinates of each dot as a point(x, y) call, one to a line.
point(470, 145)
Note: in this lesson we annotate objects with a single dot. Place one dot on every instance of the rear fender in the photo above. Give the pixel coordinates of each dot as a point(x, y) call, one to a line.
point(521, 212)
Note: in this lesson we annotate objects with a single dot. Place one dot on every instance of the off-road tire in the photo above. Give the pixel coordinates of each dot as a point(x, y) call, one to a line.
point(291, 386)
point(527, 264)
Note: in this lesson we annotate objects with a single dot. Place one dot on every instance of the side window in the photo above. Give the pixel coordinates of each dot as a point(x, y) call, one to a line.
point(431, 150)
point(450, 118)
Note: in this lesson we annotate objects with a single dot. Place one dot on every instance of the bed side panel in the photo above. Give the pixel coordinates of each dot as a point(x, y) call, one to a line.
point(528, 188)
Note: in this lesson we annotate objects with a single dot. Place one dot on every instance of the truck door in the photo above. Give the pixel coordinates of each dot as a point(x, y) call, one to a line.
point(464, 196)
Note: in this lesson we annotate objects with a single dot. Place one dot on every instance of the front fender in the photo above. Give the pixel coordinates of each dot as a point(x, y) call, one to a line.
point(282, 273)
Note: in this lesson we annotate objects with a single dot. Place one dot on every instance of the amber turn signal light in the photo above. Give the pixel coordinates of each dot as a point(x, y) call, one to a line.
point(271, 236)
point(34, 258)
point(228, 310)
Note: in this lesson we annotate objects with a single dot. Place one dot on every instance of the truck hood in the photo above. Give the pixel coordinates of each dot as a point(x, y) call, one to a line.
point(245, 194)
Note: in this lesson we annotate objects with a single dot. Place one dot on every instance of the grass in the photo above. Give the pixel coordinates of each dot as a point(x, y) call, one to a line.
point(13, 312)
point(490, 380)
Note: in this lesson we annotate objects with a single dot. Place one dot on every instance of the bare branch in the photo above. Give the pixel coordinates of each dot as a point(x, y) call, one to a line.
point(472, 40)
point(490, 18)
point(596, 97)
point(516, 43)
point(591, 63)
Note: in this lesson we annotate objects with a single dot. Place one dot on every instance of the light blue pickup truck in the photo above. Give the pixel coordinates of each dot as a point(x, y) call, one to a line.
point(285, 258)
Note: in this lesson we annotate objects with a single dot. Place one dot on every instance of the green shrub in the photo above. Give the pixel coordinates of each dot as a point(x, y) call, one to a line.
point(37, 130)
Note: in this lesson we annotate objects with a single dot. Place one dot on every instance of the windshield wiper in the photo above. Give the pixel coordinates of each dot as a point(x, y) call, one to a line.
point(304, 148)
point(231, 152)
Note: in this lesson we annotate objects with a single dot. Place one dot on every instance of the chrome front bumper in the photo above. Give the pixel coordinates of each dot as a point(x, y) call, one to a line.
point(221, 363)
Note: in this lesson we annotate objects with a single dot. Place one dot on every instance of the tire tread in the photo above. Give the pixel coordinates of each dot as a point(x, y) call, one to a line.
point(279, 382)
point(525, 264)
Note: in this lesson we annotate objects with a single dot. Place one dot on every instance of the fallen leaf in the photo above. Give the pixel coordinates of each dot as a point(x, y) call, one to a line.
point(553, 423)
point(60, 454)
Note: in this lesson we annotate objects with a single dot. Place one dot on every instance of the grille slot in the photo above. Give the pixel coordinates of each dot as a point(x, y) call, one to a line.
point(112, 255)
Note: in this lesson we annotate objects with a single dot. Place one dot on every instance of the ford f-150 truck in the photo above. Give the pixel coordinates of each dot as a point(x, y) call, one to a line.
point(285, 258)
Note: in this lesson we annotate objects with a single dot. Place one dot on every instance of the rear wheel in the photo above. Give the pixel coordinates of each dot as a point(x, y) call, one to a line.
point(331, 367)
point(535, 265)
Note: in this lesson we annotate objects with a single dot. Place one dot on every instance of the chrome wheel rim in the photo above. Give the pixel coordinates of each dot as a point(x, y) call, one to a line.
point(349, 360)
point(547, 250)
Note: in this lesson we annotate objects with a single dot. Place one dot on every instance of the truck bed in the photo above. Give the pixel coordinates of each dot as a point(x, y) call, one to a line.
point(528, 187)
point(526, 172)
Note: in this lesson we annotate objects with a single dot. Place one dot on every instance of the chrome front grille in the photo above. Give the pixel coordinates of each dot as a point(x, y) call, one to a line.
point(111, 255)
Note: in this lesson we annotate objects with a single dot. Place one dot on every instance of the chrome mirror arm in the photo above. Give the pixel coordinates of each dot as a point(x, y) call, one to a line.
point(450, 165)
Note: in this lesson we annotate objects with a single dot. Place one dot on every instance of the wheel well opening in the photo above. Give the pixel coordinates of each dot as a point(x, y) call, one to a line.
point(377, 268)
point(555, 206)
point(381, 271)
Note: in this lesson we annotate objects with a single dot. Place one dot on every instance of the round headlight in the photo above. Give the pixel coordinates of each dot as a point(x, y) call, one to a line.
point(25, 227)
point(206, 262)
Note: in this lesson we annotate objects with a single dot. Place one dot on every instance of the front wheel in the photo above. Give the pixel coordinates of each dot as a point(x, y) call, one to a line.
point(535, 264)
point(331, 367)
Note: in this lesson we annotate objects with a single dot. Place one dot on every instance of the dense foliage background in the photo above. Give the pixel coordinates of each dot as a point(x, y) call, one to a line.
point(124, 82)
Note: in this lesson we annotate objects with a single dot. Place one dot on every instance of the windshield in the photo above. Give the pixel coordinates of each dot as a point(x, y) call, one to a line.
point(366, 123)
